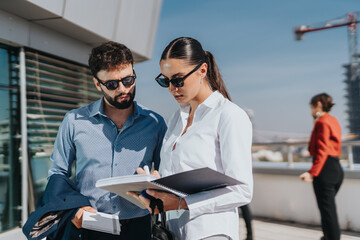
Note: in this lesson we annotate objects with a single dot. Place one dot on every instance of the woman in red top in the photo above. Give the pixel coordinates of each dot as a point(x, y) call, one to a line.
point(326, 172)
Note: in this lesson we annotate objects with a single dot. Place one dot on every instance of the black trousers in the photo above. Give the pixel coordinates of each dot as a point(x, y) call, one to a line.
point(133, 229)
point(326, 185)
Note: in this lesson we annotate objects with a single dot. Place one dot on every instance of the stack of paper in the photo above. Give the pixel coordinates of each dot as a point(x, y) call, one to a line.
point(101, 222)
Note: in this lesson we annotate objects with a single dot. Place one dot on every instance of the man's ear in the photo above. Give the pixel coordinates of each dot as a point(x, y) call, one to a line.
point(97, 84)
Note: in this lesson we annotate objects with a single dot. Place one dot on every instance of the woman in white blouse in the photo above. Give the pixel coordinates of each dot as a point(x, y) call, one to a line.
point(207, 131)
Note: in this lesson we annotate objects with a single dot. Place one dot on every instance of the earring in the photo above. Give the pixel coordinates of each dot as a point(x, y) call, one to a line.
point(317, 114)
point(202, 80)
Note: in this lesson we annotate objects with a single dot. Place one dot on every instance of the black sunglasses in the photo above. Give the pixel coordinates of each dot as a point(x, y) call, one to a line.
point(114, 84)
point(177, 82)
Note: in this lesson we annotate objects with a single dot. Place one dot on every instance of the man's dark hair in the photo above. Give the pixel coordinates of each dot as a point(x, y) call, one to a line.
point(109, 56)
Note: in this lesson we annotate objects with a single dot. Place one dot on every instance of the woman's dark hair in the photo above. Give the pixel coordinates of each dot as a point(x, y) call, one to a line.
point(325, 99)
point(109, 56)
point(190, 50)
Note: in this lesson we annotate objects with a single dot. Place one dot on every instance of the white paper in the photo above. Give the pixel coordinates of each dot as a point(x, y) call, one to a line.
point(101, 222)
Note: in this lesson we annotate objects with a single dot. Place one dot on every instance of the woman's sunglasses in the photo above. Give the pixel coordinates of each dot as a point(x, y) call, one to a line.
point(177, 82)
point(114, 84)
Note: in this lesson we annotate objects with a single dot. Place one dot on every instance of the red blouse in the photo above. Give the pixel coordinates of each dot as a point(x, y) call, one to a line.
point(325, 141)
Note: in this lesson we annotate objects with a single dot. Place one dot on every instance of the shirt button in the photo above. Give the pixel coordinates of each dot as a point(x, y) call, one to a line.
point(116, 164)
point(114, 207)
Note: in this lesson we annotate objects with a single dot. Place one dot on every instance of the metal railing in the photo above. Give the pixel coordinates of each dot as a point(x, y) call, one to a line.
point(291, 146)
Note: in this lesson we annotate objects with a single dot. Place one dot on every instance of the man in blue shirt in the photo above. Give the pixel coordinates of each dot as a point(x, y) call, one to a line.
point(108, 138)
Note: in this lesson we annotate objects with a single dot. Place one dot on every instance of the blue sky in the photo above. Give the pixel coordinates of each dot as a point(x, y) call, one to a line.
point(264, 68)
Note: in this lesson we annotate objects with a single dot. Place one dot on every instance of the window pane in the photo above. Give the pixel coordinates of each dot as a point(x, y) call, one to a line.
point(10, 187)
point(4, 67)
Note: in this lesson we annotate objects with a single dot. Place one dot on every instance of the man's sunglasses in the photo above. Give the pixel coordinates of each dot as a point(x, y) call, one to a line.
point(114, 84)
point(177, 82)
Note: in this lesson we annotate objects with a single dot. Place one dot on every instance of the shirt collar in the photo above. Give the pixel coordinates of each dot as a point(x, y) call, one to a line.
point(185, 108)
point(98, 109)
point(325, 115)
point(213, 100)
point(138, 110)
point(210, 102)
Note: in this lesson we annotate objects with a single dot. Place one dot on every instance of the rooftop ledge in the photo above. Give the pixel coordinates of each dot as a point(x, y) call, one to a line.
point(283, 168)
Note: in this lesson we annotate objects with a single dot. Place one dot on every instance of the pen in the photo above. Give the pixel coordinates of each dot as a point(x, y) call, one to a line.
point(146, 168)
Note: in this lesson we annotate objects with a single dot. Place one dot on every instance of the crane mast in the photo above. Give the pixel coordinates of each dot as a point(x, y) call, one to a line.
point(352, 32)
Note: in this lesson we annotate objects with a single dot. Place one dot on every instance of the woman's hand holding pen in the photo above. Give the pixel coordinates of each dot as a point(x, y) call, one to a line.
point(145, 170)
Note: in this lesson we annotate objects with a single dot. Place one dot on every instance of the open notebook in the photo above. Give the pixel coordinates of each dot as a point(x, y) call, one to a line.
point(180, 184)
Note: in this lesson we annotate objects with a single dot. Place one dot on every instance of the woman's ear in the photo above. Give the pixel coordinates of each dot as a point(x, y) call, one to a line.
point(319, 105)
point(203, 70)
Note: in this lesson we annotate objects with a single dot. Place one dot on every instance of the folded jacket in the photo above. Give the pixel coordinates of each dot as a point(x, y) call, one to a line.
point(55, 209)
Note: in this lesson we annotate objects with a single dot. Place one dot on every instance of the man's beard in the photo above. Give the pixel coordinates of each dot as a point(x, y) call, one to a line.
point(123, 104)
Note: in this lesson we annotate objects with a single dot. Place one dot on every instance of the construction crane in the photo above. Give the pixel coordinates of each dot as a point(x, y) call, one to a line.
point(350, 21)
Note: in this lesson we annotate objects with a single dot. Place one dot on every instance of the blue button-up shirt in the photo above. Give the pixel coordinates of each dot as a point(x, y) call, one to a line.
point(88, 137)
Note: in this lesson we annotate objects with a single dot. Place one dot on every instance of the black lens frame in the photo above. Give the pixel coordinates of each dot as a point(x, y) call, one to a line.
point(114, 84)
point(177, 82)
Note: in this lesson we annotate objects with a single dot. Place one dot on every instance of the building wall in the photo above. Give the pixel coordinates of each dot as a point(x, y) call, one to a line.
point(70, 28)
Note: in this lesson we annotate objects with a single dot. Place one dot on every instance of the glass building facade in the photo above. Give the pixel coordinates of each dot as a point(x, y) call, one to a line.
point(53, 87)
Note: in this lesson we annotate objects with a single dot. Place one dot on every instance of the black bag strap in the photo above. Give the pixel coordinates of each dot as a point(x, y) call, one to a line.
point(160, 206)
point(163, 219)
point(156, 203)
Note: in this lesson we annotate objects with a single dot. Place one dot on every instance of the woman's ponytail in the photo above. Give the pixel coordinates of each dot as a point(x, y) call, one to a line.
point(214, 77)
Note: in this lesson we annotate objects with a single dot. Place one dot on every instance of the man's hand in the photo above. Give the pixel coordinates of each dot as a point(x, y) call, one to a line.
point(77, 220)
point(170, 201)
point(307, 177)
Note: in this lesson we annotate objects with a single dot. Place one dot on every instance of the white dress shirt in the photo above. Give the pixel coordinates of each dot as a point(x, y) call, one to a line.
point(219, 138)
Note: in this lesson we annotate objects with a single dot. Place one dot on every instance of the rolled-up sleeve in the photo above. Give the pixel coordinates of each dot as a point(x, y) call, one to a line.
point(64, 150)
